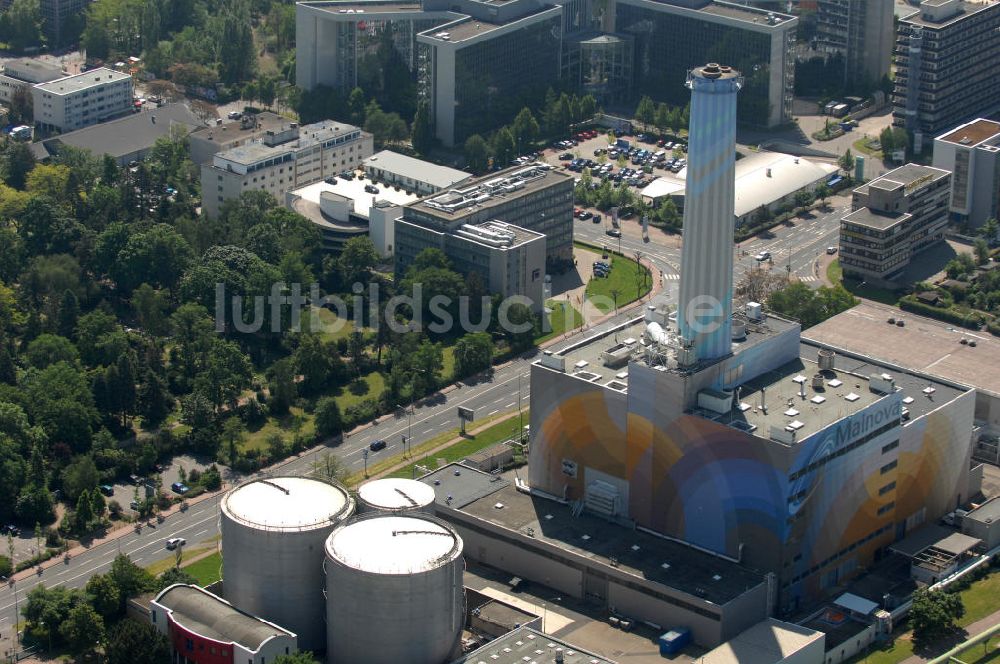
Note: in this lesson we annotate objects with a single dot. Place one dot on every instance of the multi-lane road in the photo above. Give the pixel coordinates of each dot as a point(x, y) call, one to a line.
point(798, 245)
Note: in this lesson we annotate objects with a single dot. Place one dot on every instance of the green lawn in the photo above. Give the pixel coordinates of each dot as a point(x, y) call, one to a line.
point(448, 371)
point(981, 653)
point(629, 280)
point(890, 653)
point(861, 145)
point(498, 432)
point(328, 319)
point(369, 386)
point(836, 276)
point(980, 599)
point(296, 421)
point(564, 317)
point(206, 571)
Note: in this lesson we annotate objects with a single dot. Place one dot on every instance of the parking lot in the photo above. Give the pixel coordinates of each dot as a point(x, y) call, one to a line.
point(633, 160)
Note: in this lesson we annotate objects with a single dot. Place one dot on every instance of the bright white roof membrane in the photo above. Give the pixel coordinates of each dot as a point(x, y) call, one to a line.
point(285, 503)
point(394, 493)
point(393, 545)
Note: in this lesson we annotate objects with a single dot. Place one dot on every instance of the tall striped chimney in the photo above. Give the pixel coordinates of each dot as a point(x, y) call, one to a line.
point(704, 312)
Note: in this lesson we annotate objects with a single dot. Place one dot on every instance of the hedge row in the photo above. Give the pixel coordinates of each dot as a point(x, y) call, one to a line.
point(972, 321)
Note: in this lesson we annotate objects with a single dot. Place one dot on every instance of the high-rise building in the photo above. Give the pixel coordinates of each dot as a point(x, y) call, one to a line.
point(859, 30)
point(478, 62)
point(704, 311)
point(894, 217)
point(972, 153)
point(673, 37)
point(947, 66)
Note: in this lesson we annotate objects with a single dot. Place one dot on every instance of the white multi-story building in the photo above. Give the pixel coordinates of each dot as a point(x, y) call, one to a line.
point(78, 101)
point(22, 74)
point(284, 158)
point(972, 153)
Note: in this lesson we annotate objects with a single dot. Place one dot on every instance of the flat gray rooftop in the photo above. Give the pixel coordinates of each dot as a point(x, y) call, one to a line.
point(924, 345)
point(908, 175)
point(230, 133)
point(875, 219)
point(365, 7)
point(988, 512)
point(966, 10)
point(528, 645)
point(747, 13)
point(670, 564)
point(403, 165)
point(548, 178)
point(77, 82)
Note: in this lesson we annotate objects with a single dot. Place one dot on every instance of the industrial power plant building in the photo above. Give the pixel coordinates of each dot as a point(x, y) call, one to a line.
point(726, 432)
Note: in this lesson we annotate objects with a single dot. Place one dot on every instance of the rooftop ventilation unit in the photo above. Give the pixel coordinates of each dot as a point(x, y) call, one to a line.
point(882, 383)
point(826, 359)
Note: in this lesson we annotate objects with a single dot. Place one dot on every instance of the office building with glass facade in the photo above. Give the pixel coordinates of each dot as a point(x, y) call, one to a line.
point(478, 62)
point(671, 39)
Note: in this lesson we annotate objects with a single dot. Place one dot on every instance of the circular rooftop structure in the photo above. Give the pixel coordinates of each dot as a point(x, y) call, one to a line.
point(394, 494)
point(388, 544)
point(287, 503)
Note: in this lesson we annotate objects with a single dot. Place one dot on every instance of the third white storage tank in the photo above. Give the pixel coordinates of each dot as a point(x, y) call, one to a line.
point(394, 590)
point(395, 494)
point(273, 534)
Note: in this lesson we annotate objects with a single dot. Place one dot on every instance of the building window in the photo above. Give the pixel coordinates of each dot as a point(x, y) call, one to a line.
point(886, 508)
point(890, 447)
point(887, 467)
point(189, 644)
point(887, 488)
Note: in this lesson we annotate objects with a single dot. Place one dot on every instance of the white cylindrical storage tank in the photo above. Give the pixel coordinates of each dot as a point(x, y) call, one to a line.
point(396, 495)
point(273, 533)
point(394, 590)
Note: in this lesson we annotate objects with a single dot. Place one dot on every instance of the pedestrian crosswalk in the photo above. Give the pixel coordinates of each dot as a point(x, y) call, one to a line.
point(808, 278)
point(671, 277)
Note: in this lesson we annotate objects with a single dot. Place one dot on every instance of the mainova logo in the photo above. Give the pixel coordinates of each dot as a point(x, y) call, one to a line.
point(862, 423)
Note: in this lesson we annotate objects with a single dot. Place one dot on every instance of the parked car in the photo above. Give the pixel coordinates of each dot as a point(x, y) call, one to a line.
point(586, 214)
point(565, 156)
point(346, 175)
point(613, 232)
point(762, 256)
point(377, 445)
point(596, 219)
point(134, 479)
point(371, 189)
point(330, 180)
point(831, 250)
point(107, 489)
point(175, 542)
point(179, 487)
point(234, 115)
point(11, 530)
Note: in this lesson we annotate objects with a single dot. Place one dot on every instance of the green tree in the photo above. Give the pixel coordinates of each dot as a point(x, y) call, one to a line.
point(423, 132)
point(130, 579)
point(328, 419)
point(473, 353)
point(847, 161)
point(83, 628)
point(69, 311)
point(933, 614)
point(157, 257)
point(990, 230)
point(982, 251)
point(154, 401)
point(357, 259)
point(21, 24)
point(520, 327)
point(525, 130)
point(588, 107)
point(297, 658)
point(97, 504)
point(504, 149)
point(281, 384)
point(645, 112)
point(48, 349)
point(133, 642)
point(84, 511)
point(172, 576)
point(80, 476)
point(104, 596)
point(18, 160)
point(476, 153)
point(315, 362)
point(233, 434)
point(823, 192)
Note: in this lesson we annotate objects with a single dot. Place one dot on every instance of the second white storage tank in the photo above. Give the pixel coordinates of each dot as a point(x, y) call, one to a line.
point(394, 590)
point(396, 495)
